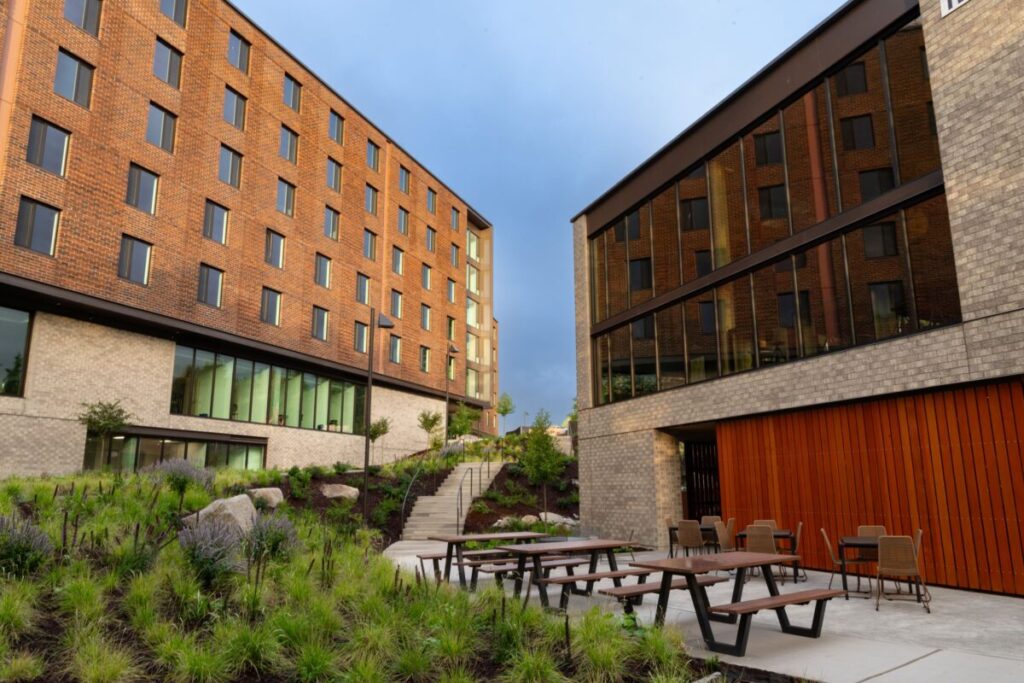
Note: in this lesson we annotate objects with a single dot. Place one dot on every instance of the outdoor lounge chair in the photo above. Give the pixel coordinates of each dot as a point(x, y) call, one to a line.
point(897, 559)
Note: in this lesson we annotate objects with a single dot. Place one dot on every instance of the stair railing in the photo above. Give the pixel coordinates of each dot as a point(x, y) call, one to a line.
point(408, 490)
point(458, 496)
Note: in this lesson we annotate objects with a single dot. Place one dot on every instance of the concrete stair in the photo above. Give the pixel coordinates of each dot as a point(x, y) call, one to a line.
point(432, 515)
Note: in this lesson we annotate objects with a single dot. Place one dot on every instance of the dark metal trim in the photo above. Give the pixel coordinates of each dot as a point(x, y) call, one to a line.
point(186, 435)
point(910, 193)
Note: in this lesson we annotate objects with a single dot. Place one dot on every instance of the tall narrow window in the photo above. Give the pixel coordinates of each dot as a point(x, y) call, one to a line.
point(888, 308)
point(273, 249)
point(403, 221)
point(424, 359)
point(292, 92)
point(175, 10)
point(857, 132)
point(37, 226)
point(369, 245)
point(425, 273)
point(320, 316)
point(360, 337)
point(397, 261)
point(322, 270)
point(48, 146)
point(395, 348)
point(472, 246)
point(451, 290)
point(371, 200)
point(234, 108)
point(167, 64)
point(229, 166)
point(285, 197)
point(454, 254)
point(210, 281)
point(451, 328)
point(238, 52)
point(403, 179)
point(425, 317)
point(396, 303)
point(336, 127)
point(362, 288)
point(333, 174)
point(787, 309)
point(372, 155)
point(73, 79)
point(332, 220)
point(288, 147)
point(702, 262)
point(455, 219)
point(639, 274)
point(270, 306)
point(133, 263)
point(14, 330)
point(431, 201)
point(431, 239)
point(473, 278)
point(142, 189)
point(772, 202)
point(160, 127)
point(215, 222)
point(85, 14)
point(706, 317)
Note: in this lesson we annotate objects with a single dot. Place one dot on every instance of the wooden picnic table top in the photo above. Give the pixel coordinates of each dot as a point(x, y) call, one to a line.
point(587, 545)
point(702, 564)
point(496, 536)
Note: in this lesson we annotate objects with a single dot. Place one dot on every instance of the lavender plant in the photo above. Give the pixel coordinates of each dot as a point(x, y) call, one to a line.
point(271, 536)
point(211, 550)
point(24, 547)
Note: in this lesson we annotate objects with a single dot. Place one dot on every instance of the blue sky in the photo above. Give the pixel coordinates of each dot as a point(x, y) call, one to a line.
point(530, 109)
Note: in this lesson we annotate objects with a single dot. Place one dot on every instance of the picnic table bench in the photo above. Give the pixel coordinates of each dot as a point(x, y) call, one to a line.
point(435, 558)
point(455, 543)
point(630, 596)
point(570, 583)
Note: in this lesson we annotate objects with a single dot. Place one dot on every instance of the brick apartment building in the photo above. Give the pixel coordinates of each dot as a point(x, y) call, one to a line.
point(193, 223)
point(809, 306)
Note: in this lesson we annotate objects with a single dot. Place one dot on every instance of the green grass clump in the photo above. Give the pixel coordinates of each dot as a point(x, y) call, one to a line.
point(20, 666)
point(17, 608)
point(534, 666)
point(95, 659)
point(315, 662)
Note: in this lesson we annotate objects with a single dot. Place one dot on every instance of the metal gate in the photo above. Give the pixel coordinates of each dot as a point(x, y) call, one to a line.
point(702, 493)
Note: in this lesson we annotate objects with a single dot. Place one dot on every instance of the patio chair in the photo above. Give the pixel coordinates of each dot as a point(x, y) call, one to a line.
point(690, 539)
point(765, 522)
point(836, 564)
point(796, 550)
point(761, 539)
point(671, 537)
point(897, 559)
point(874, 531)
point(710, 519)
point(726, 537)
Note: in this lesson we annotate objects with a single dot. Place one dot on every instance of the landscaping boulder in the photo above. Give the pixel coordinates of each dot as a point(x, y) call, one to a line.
point(237, 511)
point(555, 518)
point(505, 522)
point(339, 491)
point(272, 496)
point(529, 519)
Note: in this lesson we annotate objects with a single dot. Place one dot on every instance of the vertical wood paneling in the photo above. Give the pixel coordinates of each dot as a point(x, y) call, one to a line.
point(949, 461)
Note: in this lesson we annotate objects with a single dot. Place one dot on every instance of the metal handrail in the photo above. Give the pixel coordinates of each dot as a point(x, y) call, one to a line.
point(408, 490)
point(458, 498)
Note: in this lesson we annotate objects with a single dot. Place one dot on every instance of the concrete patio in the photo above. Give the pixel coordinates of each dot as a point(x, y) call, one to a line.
point(967, 637)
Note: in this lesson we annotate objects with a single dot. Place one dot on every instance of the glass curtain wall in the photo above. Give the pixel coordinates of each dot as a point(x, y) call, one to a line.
point(130, 453)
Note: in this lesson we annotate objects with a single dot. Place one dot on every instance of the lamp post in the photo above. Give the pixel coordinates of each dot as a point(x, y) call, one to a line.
point(452, 350)
point(384, 323)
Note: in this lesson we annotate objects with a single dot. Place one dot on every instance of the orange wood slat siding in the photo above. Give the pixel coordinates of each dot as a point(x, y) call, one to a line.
point(949, 461)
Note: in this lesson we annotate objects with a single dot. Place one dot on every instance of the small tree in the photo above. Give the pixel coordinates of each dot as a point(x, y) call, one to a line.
point(104, 419)
point(504, 408)
point(541, 459)
point(429, 421)
point(378, 428)
point(462, 420)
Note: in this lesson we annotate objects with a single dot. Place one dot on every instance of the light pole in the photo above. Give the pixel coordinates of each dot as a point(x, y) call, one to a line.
point(384, 323)
point(452, 350)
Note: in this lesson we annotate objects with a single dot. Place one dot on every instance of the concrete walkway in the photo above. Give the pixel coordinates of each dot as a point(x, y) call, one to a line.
point(967, 637)
point(436, 514)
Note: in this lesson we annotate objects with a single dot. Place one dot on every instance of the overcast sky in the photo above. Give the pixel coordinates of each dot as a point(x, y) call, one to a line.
point(530, 109)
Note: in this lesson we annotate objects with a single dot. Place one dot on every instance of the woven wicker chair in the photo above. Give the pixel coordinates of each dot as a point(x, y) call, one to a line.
point(726, 537)
point(710, 519)
point(690, 539)
point(765, 522)
point(796, 550)
point(897, 559)
point(836, 564)
point(874, 531)
point(671, 537)
point(761, 539)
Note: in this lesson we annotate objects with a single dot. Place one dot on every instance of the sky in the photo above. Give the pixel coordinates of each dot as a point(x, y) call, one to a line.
point(530, 110)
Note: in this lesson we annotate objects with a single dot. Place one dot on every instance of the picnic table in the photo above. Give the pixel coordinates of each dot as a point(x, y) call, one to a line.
point(857, 543)
point(534, 552)
point(456, 543)
point(696, 565)
point(779, 535)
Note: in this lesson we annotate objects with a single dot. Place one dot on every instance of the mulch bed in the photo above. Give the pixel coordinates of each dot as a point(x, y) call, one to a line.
point(478, 522)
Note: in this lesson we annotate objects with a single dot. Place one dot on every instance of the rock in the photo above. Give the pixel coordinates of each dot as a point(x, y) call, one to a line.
point(555, 518)
point(339, 491)
point(529, 519)
point(272, 496)
point(505, 522)
point(237, 511)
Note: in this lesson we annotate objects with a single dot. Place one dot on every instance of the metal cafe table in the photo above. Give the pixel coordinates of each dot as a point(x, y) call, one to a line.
point(779, 535)
point(856, 543)
point(456, 542)
point(535, 551)
point(691, 567)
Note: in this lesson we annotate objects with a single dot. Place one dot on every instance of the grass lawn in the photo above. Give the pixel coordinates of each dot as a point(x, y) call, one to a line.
point(99, 583)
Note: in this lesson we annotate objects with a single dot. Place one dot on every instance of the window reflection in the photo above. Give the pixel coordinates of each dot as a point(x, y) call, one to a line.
point(671, 354)
point(645, 365)
point(14, 326)
point(735, 326)
point(130, 453)
point(701, 345)
point(728, 219)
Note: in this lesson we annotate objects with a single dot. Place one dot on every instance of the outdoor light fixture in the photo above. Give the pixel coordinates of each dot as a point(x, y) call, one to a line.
point(384, 323)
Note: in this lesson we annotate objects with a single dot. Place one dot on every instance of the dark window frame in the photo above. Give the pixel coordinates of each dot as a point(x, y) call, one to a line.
point(205, 273)
point(126, 260)
point(175, 60)
point(210, 211)
point(26, 226)
point(39, 133)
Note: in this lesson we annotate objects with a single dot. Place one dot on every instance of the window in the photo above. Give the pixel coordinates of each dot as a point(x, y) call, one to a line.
point(360, 337)
point(880, 240)
point(371, 200)
point(403, 221)
point(234, 108)
point(888, 309)
point(319, 330)
point(37, 226)
point(167, 64)
point(292, 92)
point(288, 147)
point(643, 328)
point(630, 225)
point(396, 303)
point(229, 167)
point(706, 314)
point(694, 213)
point(451, 368)
point(424, 359)
point(768, 148)
point(472, 246)
point(369, 244)
point(454, 254)
point(238, 52)
point(397, 260)
point(215, 222)
point(160, 128)
point(175, 10)
point(425, 272)
point(857, 133)
point(455, 219)
point(362, 288)
point(702, 261)
point(336, 127)
point(852, 80)
point(73, 80)
point(133, 263)
point(875, 183)
point(472, 312)
point(210, 281)
point(425, 317)
point(331, 220)
point(142, 188)
point(285, 197)
point(85, 14)
point(451, 290)
point(14, 326)
point(48, 146)
point(322, 270)
point(472, 279)
point(403, 179)
point(451, 328)
point(273, 249)
point(431, 201)
point(787, 309)
point(431, 239)
point(333, 174)
point(270, 306)
point(372, 155)
point(772, 201)
point(786, 265)
point(639, 274)
point(395, 348)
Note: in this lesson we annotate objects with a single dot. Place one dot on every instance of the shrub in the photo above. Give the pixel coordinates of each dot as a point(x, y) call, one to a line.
point(180, 474)
point(211, 549)
point(342, 517)
point(385, 508)
point(480, 507)
point(299, 481)
point(271, 536)
point(341, 467)
point(24, 547)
